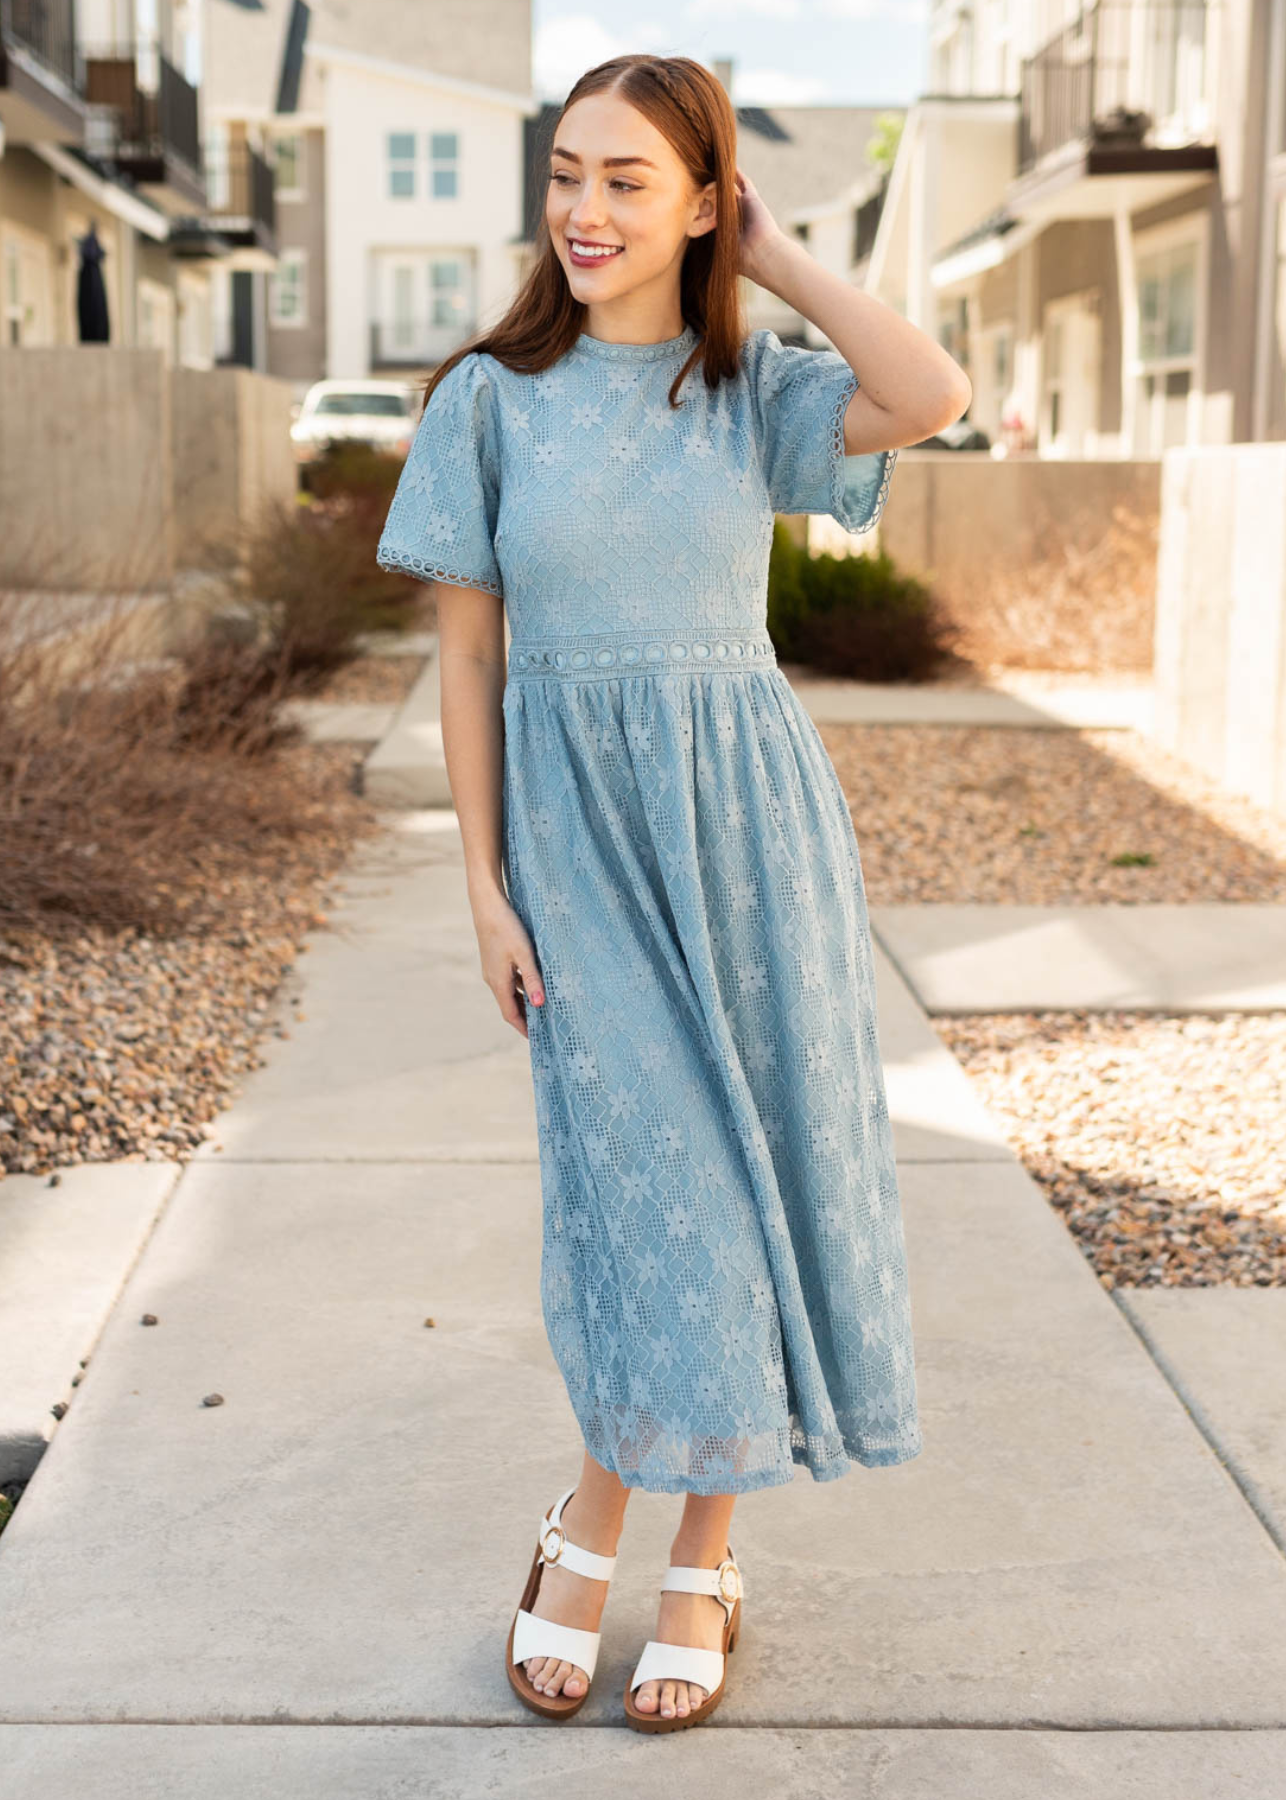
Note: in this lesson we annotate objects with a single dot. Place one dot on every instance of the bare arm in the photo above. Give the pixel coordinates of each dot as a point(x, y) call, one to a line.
point(472, 660)
point(911, 387)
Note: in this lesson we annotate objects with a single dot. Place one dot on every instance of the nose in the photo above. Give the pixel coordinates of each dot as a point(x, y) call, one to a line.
point(588, 209)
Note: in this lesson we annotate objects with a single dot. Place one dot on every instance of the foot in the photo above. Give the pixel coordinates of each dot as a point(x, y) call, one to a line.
point(571, 1599)
point(696, 1619)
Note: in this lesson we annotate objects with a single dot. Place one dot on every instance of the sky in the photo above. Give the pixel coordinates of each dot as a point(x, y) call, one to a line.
point(784, 52)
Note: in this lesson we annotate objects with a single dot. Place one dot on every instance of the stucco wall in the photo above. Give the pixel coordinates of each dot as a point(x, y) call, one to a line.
point(116, 470)
point(1221, 615)
point(1041, 562)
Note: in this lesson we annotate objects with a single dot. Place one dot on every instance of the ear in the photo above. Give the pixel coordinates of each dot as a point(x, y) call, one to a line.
point(705, 217)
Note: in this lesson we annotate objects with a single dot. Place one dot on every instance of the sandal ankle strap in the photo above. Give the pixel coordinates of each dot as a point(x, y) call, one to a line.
point(557, 1547)
point(724, 1582)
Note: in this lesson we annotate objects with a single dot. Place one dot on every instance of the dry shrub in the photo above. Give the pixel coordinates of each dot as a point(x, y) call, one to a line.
point(130, 796)
point(1082, 599)
point(312, 572)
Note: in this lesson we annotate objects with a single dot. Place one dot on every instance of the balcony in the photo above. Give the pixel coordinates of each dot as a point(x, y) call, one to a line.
point(1125, 74)
point(40, 77)
point(240, 214)
point(148, 123)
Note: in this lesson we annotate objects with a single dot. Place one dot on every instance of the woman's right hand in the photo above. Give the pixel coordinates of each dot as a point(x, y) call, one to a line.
point(508, 960)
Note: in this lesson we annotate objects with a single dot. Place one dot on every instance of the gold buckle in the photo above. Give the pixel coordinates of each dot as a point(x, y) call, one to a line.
point(552, 1531)
point(729, 1580)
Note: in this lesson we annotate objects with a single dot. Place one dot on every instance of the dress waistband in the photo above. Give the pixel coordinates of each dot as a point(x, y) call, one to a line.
point(586, 655)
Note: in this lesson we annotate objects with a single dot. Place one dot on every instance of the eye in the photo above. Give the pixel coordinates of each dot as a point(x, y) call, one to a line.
point(560, 178)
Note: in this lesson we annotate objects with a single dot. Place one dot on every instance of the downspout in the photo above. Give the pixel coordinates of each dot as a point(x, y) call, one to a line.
point(1274, 114)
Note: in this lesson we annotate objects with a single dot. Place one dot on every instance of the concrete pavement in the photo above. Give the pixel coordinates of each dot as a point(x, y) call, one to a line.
point(305, 1590)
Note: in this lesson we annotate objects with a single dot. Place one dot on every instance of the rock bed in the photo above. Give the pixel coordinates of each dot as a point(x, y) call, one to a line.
point(1160, 1139)
point(122, 1046)
point(1036, 816)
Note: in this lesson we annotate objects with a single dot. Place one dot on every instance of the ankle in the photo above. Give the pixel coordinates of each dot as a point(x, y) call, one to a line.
point(698, 1552)
point(594, 1527)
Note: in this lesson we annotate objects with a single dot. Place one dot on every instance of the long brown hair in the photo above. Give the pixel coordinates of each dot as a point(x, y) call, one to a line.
point(690, 107)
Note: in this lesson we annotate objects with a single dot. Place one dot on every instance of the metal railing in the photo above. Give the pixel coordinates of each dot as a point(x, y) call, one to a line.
point(45, 28)
point(1128, 70)
point(156, 109)
point(239, 184)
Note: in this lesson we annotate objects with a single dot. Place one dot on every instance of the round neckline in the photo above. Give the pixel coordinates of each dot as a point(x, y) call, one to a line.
point(637, 352)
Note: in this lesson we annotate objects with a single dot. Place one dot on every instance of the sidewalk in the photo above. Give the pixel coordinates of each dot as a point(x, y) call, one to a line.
point(305, 1590)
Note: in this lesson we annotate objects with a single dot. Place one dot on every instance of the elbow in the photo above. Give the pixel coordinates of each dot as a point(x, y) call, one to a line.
point(950, 403)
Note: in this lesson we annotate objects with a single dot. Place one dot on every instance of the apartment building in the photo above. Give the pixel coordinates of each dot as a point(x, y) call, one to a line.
point(1088, 208)
point(102, 129)
point(395, 134)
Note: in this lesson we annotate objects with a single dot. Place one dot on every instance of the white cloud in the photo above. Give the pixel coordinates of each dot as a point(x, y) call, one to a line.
point(564, 47)
point(761, 9)
point(777, 87)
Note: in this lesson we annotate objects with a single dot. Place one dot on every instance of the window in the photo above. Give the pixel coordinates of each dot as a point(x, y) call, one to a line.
point(288, 166)
point(288, 290)
point(1167, 378)
point(401, 165)
point(447, 297)
point(444, 155)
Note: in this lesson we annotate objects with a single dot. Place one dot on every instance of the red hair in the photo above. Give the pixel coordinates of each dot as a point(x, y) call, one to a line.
point(690, 107)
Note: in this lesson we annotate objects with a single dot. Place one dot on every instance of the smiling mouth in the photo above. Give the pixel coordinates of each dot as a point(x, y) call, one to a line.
point(593, 252)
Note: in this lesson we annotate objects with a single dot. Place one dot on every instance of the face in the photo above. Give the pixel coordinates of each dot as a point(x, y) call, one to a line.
point(621, 210)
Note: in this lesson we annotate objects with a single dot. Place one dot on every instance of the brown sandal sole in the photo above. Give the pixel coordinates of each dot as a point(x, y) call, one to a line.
point(560, 1706)
point(641, 1721)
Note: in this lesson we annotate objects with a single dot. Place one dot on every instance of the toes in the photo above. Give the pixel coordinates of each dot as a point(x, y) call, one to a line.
point(667, 1699)
point(535, 1666)
point(646, 1696)
point(681, 1699)
point(575, 1682)
point(559, 1675)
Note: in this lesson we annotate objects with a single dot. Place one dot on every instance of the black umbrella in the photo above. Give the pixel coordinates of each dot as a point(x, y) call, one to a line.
point(91, 294)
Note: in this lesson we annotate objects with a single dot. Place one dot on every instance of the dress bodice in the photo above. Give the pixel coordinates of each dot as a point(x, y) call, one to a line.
point(594, 507)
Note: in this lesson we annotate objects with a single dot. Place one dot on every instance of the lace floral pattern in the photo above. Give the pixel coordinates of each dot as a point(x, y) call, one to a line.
point(723, 1274)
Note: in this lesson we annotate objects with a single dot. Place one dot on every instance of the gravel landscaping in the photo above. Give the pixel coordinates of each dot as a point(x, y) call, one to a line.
point(1046, 817)
point(1160, 1139)
point(123, 1046)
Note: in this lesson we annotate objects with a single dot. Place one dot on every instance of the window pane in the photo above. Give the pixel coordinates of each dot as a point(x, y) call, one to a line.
point(446, 275)
point(1181, 299)
point(401, 146)
point(1149, 317)
point(444, 184)
point(401, 183)
point(442, 146)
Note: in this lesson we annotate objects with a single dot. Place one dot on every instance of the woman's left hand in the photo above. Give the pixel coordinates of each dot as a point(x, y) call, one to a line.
point(759, 230)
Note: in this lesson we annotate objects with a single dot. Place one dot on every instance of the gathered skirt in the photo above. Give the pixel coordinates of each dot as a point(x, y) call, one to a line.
point(723, 1274)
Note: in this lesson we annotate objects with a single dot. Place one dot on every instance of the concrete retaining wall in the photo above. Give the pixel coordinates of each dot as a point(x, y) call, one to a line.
point(232, 454)
point(1041, 562)
point(117, 470)
point(1220, 655)
point(86, 469)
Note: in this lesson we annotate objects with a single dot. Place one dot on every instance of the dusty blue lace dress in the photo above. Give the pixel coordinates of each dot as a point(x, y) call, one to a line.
point(723, 1276)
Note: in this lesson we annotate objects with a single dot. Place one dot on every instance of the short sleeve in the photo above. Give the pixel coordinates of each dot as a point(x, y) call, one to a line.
point(441, 523)
point(799, 397)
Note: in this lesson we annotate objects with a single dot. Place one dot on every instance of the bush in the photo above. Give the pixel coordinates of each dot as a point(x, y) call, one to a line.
point(854, 616)
point(311, 570)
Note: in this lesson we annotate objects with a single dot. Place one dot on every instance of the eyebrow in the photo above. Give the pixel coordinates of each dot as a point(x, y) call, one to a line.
point(609, 162)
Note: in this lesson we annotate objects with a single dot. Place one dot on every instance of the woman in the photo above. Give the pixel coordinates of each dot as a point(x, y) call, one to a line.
point(661, 865)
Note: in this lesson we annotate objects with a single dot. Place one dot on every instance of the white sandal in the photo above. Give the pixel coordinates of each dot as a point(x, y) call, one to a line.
point(687, 1662)
point(533, 1636)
